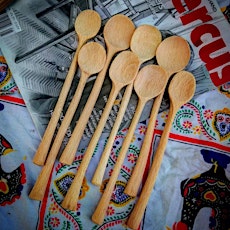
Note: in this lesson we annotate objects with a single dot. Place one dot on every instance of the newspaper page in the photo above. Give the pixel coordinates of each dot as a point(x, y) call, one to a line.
point(38, 40)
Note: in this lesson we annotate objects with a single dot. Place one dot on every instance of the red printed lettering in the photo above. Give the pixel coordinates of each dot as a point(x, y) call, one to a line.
point(191, 4)
point(225, 76)
point(199, 31)
point(209, 49)
point(206, 51)
point(199, 14)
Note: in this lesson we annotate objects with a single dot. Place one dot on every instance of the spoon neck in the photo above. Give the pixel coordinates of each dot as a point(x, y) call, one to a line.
point(84, 76)
point(81, 41)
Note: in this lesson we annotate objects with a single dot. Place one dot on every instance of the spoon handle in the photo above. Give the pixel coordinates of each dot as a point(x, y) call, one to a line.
point(39, 189)
point(70, 150)
point(99, 173)
point(71, 198)
point(103, 204)
point(135, 180)
point(42, 151)
point(139, 209)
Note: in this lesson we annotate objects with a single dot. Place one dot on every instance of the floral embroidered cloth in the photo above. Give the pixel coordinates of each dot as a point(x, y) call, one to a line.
point(192, 189)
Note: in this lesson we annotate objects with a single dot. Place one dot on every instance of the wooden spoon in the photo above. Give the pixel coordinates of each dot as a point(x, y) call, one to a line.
point(87, 25)
point(181, 90)
point(91, 60)
point(149, 83)
point(144, 43)
point(117, 33)
point(173, 55)
point(122, 72)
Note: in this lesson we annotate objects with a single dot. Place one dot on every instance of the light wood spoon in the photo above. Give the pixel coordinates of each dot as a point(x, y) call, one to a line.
point(117, 33)
point(181, 90)
point(91, 60)
point(122, 71)
point(87, 25)
point(149, 83)
point(173, 55)
point(144, 43)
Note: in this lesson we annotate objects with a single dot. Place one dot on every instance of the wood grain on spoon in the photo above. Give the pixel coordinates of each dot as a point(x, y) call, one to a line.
point(122, 71)
point(144, 43)
point(87, 25)
point(149, 83)
point(117, 34)
point(91, 60)
point(181, 90)
point(173, 55)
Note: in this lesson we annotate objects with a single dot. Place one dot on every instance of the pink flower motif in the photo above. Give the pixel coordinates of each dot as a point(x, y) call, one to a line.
point(187, 124)
point(131, 158)
point(142, 129)
point(208, 114)
point(110, 211)
point(55, 222)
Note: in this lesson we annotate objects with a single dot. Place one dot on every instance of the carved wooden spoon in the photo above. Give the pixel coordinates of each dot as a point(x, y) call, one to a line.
point(149, 83)
point(144, 43)
point(87, 25)
point(173, 55)
point(117, 33)
point(181, 90)
point(91, 60)
point(122, 71)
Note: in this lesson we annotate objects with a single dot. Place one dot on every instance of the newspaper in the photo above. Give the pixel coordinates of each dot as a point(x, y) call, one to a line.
point(38, 40)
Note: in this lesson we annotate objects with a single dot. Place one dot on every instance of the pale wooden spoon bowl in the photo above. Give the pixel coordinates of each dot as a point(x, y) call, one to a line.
point(173, 55)
point(87, 25)
point(91, 60)
point(144, 43)
point(181, 90)
point(117, 34)
point(149, 83)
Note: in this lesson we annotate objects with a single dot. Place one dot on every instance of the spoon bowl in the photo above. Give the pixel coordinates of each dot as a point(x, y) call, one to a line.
point(173, 54)
point(118, 32)
point(145, 41)
point(87, 24)
point(183, 80)
point(91, 58)
point(149, 81)
point(124, 68)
